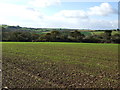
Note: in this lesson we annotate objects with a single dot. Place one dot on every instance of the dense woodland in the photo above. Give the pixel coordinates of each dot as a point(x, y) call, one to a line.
point(23, 34)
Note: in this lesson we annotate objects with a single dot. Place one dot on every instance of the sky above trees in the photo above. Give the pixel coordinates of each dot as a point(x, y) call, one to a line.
point(60, 13)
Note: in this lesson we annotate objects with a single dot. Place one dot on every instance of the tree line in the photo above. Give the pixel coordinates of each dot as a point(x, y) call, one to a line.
point(57, 36)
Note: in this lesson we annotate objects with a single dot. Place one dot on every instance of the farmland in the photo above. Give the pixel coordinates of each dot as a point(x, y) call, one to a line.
point(59, 65)
point(101, 32)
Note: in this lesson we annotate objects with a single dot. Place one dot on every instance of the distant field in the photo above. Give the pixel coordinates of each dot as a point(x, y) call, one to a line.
point(87, 32)
point(100, 32)
point(59, 65)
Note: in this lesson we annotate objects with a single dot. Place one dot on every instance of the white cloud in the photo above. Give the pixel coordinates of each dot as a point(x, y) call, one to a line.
point(72, 14)
point(44, 3)
point(61, 22)
point(9, 11)
point(103, 10)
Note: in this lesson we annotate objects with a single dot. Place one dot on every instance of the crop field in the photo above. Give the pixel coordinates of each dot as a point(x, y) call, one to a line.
point(59, 65)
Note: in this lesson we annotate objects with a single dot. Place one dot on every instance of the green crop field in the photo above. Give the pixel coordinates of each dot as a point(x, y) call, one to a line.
point(59, 65)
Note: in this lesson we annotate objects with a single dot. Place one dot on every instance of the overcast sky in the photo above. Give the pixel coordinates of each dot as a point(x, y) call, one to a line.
point(59, 14)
